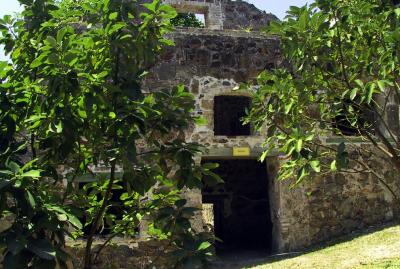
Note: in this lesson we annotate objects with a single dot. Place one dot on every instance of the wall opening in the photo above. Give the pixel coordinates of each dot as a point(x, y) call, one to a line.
point(352, 118)
point(228, 114)
point(189, 20)
point(239, 209)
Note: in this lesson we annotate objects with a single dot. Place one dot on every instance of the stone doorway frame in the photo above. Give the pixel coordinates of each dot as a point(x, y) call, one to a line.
point(272, 166)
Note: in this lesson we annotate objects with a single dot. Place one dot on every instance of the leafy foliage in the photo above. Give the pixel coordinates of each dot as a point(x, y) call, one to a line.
point(71, 101)
point(341, 74)
point(187, 20)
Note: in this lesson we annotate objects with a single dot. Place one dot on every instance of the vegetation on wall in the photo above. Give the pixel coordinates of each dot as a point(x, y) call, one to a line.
point(187, 20)
point(340, 79)
point(71, 101)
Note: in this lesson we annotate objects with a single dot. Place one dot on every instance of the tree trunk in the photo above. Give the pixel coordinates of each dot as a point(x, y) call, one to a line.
point(96, 223)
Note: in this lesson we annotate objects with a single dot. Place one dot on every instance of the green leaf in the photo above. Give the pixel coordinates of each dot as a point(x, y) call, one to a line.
point(13, 166)
point(31, 199)
point(113, 16)
point(333, 166)
point(42, 248)
point(112, 115)
point(204, 245)
point(299, 145)
point(315, 165)
point(82, 113)
point(200, 121)
point(75, 221)
point(62, 217)
point(51, 41)
point(371, 91)
point(39, 60)
point(302, 173)
point(6, 172)
point(101, 74)
point(359, 83)
point(151, 6)
point(303, 20)
point(353, 93)
point(263, 156)
point(289, 106)
point(52, 58)
point(381, 85)
point(124, 196)
point(32, 174)
point(210, 166)
point(397, 12)
point(60, 34)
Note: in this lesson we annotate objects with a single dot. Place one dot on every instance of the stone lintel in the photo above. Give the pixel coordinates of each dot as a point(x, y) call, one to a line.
point(227, 153)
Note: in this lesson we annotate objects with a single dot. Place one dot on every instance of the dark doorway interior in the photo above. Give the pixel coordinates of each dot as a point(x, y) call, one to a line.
point(241, 206)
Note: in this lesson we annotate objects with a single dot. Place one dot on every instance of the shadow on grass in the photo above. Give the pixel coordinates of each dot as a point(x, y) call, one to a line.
point(246, 259)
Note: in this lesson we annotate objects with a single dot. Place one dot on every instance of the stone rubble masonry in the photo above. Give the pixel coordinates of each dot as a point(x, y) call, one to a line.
point(213, 61)
point(212, 10)
point(240, 15)
point(225, 14)
point(318, 210)
point(236, 55)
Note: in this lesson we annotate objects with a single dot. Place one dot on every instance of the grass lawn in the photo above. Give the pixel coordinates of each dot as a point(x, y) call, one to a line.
point(375, 250)
point(379, 249)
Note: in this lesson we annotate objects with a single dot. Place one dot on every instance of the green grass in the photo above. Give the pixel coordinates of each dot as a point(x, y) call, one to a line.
point(377, 250)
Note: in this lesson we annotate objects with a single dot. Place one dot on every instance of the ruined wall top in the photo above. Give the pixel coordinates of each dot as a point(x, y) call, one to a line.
point(225, 14)
point(240, 15)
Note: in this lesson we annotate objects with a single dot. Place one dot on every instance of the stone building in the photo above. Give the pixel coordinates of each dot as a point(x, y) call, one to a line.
point(253, 210)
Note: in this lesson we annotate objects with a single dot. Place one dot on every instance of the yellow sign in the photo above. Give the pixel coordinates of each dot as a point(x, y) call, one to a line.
point(241, 152)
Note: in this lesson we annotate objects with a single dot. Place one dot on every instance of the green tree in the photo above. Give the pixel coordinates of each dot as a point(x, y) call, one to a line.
point(340, 78)
point(71, 100)
point(187, 20)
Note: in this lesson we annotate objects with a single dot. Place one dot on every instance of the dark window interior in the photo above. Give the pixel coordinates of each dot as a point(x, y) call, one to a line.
point(363, 121)
point(228, 111)
point(241, 206)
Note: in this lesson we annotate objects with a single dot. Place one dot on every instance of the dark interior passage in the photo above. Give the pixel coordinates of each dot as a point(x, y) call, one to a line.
point(241, 206)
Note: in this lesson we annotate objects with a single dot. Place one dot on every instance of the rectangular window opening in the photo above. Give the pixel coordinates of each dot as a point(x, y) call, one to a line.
point(354, 119)
point(193, 20)
point(228, 114)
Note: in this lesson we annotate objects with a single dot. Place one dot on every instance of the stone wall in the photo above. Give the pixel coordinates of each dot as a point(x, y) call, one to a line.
point(225, 14)
point(332, 205)
point(320, 209)
point(211, 9)
point(213, 62)
point(124, 253)
point(240, 15)
point(205, 89)
point(227, 55)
